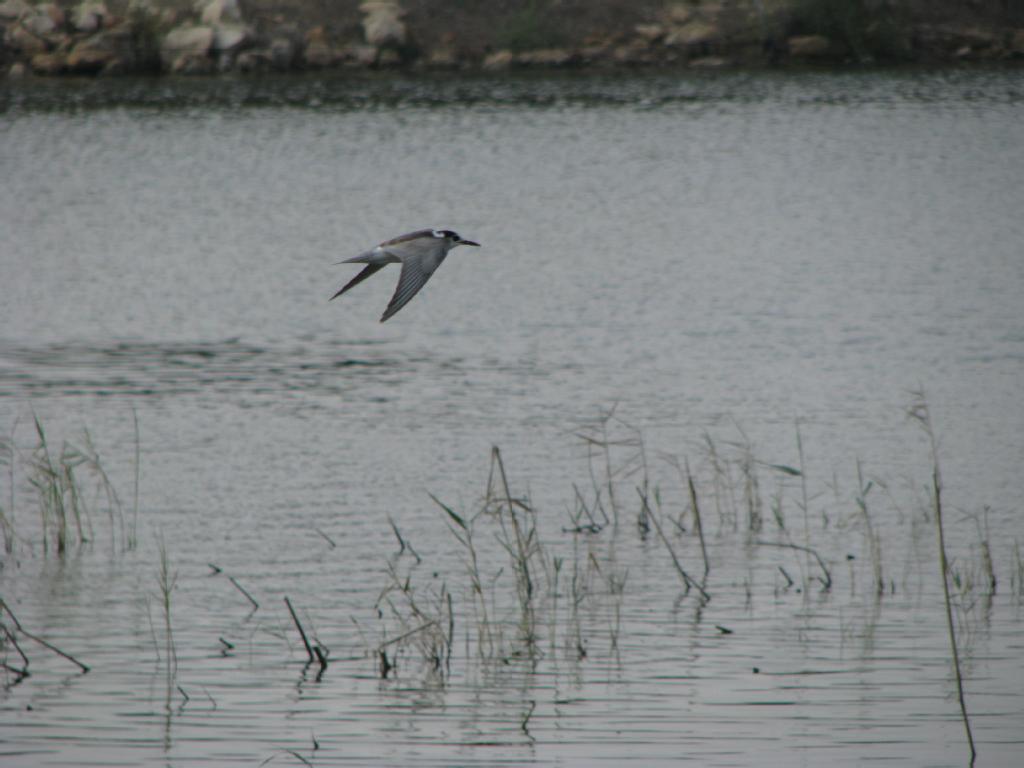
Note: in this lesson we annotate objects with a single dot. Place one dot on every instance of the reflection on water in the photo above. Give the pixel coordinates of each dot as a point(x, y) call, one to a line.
point(754, 269)
point(171, 369)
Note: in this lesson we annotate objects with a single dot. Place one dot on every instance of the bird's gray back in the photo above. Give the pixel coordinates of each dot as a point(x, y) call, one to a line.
point(428, 252)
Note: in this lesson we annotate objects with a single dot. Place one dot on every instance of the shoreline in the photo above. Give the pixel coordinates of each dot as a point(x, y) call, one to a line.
point(215, 37)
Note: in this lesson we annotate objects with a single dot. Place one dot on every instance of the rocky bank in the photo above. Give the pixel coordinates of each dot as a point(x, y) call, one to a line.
point(114, 37)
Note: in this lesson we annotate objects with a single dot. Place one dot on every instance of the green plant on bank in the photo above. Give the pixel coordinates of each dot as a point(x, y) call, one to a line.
point(148, 27)
point(867, 28)
point(528, 28)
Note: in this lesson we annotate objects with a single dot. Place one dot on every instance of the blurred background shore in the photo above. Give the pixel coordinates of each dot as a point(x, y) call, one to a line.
point(204, 37)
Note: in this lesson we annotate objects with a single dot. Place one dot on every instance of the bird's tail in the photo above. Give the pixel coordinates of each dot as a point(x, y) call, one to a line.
point(367, 271)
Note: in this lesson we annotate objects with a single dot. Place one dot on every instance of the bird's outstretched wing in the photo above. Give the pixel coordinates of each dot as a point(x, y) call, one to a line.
point(413, 277)
point(369, 270)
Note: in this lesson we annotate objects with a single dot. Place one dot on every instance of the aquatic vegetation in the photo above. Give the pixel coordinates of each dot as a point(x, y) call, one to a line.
point(167, 581)
point(7, 513)
point(10, 629)
point(528, 593)
point(70, 484)
point(920, 412)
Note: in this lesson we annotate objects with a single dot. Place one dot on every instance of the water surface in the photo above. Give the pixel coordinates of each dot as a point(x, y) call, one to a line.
point(723, 254)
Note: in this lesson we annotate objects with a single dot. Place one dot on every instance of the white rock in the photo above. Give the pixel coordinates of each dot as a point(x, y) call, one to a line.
point(650, 32)
point(89, 16)
point(499, 60)
point(213, 12)
point(14, 9)
point(229, 37)
point(695, 32)
point(39, 24)
point(382, 23)
point(185, 43)
point(384, 29)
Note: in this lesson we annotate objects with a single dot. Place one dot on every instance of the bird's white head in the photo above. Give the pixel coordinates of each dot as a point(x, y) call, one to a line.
point(452, 238)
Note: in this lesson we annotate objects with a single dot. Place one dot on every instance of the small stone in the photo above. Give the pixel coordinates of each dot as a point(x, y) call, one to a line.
point(679, 14)
point(47, 63)
point(21, 39)
point(362, 55)
point(709, 62)
point(193, 65)
point(318, 53)
point(442, 58)
point(193, 40)
point(548, 57)
point(85, 59)
point(809, 46)
point(593, 53)
point(1017, 42)
point(383, 25)
point(89, 16)
point(229, 37)
point(282, 53)
point(53, 11)
point(17, 70)
point(12, 10)
point(632, 55)
point(696, 32)
point(220, 12)
point(652, 33)
point(184, 50)
point(388, 57)
point(498, 61)
point(39, 24)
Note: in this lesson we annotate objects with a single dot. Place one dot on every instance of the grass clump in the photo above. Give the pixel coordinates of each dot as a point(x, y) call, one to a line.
point(70, 482)
point(529, 28)
point(868, 29)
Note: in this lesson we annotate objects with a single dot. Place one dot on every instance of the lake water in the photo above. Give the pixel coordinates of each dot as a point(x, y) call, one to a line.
point(727, 261)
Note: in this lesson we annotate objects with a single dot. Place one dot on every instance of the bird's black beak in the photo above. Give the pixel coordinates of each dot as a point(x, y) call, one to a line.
point(468, 242)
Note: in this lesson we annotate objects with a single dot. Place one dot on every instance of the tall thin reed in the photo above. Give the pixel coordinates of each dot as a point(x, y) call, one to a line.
point(981, 523)
point(167, 580)
point(687, 478)
point(133, 539)
point(463, 533)
point(920, 412)
point(7, 515)
point(1017, 572)
point(47, 482)
point(873, 540)
point(687, 579)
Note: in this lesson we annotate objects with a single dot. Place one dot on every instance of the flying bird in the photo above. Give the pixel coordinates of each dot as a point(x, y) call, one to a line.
point(420, 253)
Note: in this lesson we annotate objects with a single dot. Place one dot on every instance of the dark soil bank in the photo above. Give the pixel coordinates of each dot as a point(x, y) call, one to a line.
point(111, 37)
